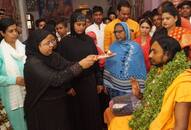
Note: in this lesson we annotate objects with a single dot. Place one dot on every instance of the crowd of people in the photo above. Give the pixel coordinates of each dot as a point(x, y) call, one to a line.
point(64, 78)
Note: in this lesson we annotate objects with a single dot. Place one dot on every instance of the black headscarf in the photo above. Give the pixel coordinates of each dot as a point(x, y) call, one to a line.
point(54, 60)
point(77, 16)
point(33, 42)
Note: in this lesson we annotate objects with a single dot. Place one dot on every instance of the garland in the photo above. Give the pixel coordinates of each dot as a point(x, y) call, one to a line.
point(157, 83)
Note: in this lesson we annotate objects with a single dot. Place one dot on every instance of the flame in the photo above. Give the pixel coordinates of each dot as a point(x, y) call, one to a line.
point(108, 52)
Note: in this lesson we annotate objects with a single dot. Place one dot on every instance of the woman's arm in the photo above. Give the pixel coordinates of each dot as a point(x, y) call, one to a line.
point(66, 75)
point(57, 62)
point(57, 77)
point(74, 70)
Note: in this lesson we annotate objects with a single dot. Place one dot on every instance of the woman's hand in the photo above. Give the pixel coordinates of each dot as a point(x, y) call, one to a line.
point(111, 104)
point(100, 88)
point(105, 90)
point(20, 81)
point(88, 61)
point(135, 88)
point(71, 92)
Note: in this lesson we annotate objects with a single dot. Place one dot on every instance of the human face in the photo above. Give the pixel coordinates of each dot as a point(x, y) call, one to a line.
point(145, 28)
point(112, 17)
point(157, 56)
point(186, 11)
point(124, 14)
point(61, 29)
point(47, 45)
point(98, 17)
point(168, 21)
point(42, 24)
point(11, 34)
point(119, 33)
point(79, 27)
point(157, 21)
point(88, 22)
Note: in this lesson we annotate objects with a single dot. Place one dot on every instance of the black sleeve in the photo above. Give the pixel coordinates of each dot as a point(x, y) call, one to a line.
point(64, 76)
point(43, 74)
point(57, 62)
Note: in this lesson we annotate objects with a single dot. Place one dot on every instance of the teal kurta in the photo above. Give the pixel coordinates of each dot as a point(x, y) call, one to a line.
point(16, 117)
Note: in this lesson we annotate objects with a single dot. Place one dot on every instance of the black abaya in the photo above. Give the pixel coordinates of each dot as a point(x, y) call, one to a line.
point(84, 106)
point(45, 103)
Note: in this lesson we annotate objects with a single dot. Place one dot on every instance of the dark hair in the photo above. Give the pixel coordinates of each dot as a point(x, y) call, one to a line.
point(113, 13)
point(97, 9)
point(168, 7)
point(186, 2)
point(50, 26)
point(51, 22)
point(146, 20)
point(155, 12)
point(76, 17)
point(40, 20)
point(123, 4)
point(63, 22)
point(169, 45)
point(105, 19)
point(1, 37)
point(89, 16)
point(147, 14)
point(5, 23)
point(178, 6)
point(160, 32)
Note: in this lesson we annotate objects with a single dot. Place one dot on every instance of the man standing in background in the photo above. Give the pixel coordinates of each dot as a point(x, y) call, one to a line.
point(98, 26)
point(123, 13)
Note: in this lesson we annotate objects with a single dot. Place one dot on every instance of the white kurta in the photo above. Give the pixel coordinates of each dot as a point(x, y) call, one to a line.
point(99, 31)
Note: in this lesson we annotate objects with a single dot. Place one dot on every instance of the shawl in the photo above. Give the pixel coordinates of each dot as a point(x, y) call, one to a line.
point(128, 63)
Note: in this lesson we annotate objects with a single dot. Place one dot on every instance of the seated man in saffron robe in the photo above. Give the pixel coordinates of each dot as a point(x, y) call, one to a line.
point(166, 102)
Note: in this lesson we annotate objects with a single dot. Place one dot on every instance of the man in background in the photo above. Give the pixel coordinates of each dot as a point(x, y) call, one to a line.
point(123, 13)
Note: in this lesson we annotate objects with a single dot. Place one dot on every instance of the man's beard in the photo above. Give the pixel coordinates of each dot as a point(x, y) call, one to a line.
point(159, 65)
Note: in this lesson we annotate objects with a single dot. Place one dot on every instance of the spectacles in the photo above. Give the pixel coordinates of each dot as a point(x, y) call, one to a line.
point(118, 31)
point(52, 43)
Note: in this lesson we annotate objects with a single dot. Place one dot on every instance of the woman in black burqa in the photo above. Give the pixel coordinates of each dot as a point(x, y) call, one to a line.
point(83, 99)
point(46, 77)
